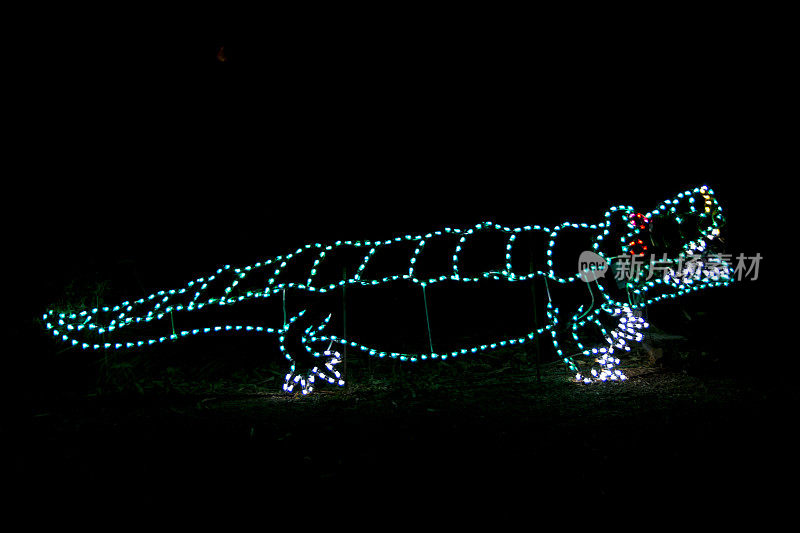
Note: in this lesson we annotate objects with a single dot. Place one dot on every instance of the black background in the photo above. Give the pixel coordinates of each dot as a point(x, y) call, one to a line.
point(137, 145)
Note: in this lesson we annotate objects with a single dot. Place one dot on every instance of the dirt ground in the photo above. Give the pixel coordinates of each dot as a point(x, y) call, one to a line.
point(663, 438)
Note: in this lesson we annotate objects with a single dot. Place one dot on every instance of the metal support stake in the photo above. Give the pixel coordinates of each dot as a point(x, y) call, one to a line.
point(344, 327)
point(536, 325)
point(427, 318)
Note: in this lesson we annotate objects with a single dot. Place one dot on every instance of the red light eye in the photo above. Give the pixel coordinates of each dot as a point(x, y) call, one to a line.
point(637, 247)
point(638, 220)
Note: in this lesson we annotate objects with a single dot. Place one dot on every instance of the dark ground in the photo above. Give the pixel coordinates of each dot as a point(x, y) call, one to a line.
point(484, 432)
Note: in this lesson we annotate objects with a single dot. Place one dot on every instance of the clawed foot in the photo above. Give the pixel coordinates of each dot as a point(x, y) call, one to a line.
point(304, 382)
point(332, 375)
point(605, 367)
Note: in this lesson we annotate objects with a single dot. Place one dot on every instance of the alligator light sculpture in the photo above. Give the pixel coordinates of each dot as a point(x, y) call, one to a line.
point(118, 327)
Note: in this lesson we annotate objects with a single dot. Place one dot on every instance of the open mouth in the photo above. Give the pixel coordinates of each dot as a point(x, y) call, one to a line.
point(689, 232)
point(692, 238)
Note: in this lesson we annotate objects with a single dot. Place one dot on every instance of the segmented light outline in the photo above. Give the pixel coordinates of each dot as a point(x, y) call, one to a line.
point(68, 324)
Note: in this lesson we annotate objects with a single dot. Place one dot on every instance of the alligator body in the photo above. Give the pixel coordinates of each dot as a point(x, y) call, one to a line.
point(622, 232)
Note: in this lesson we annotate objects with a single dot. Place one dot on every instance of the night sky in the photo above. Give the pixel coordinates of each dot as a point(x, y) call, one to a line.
point(146, 144)
point(146, 148)
point(141, 147)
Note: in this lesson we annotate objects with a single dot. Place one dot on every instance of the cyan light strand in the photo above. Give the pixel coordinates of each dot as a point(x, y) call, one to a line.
point(678, 278)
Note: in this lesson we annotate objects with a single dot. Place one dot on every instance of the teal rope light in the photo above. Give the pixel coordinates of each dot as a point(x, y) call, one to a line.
point(78, 328)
